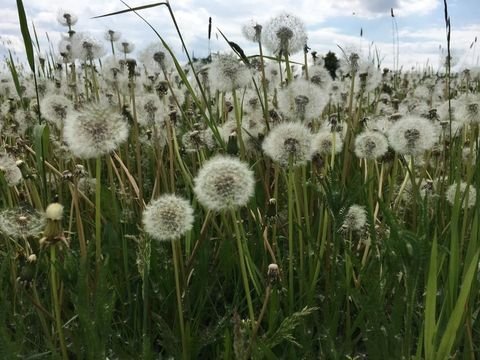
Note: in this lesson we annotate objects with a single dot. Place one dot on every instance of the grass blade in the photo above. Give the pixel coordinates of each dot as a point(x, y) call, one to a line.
point(131, 9)
point(27, 40)
point(455, 320)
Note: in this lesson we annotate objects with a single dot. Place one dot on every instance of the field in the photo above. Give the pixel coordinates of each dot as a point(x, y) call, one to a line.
point(238, 206)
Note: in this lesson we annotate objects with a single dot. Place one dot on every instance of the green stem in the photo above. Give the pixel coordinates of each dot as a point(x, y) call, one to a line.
point(243, 270)
point(98, 214)
point(146, 346)
point(56, 303)
point(290, 185)
point(176, 260)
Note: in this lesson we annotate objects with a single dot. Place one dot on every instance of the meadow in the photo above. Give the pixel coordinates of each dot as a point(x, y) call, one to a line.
point(241, 206)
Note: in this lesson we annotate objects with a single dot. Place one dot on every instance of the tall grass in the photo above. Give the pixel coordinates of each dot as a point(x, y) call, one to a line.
point(285, 276)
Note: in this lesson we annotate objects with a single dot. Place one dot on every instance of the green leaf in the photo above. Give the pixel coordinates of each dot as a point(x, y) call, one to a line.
point(13, 71)
point(27, 40)
point(41, 136)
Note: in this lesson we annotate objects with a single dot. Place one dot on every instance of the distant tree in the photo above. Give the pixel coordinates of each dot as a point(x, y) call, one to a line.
point(331, 63)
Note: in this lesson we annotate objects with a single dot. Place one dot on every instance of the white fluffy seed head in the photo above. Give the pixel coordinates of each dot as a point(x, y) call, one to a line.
point(370, 145)
point(290, 141)
point(326, 143)
point(284, 33)
point(227, 73)
point(412, 135)
point(10, 170)
point(55, 108)
point(54, 212)
point(356, 218)
point(302, 100)
point(94, 132)
point(456, 189)
point(224, 182)
point(168, 217)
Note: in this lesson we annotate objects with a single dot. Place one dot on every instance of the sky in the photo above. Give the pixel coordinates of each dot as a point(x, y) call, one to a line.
point(330, 24)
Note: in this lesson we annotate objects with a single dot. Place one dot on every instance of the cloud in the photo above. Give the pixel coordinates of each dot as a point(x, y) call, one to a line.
point(329, 23)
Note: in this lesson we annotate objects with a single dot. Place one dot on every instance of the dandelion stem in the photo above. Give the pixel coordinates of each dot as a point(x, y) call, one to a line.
point(178, 290)
point(98, 214)
point(56, 303)
point(243, 270)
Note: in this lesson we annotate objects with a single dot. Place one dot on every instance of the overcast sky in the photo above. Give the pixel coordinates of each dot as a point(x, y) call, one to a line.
point(329, 23)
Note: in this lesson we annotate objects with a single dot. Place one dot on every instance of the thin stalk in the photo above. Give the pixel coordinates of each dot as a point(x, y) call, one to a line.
point(290, 185)
point(146, 339)
point(178, 290)
point(243, 269)
point(98, 214)
point(56, 303)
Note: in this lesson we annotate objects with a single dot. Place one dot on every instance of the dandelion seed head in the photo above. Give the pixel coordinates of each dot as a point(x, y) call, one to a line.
point(371, 145)
point(94, 132)
point(125, 46)
point(302, 100)
point(55, 108)
point(284, 33)
point(227, 73)
point(412, 135)
point(155, 58)
point(290, 141)
point(326, 143)
point(19, 222)
point(252, 31)
point(355, 218)
point(168, 217)
point(196, 140)
point(86, 47)
point(224, 182)
point(112, 35)
point(66, 17)
point(11, 172)
point(460, 189)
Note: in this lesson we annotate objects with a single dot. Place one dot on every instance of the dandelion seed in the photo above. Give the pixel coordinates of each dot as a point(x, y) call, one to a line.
point(289, 142)
point(224, 182)
point(284, 34)
point(66, 18)
point(19, 222)
point(112, 35)
point(168, 217)
point(86, 47)
point(412, 135)
point(94, 132)
point(55, 108)
point(302, 100)
point(155, 58)
point(355, 219)
point(126, 47)
point(227, 73)
point(326, 143)
point(9, 169)
point(468, 200)
point(370, 145)
point(196, 140)
point(252, 31)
